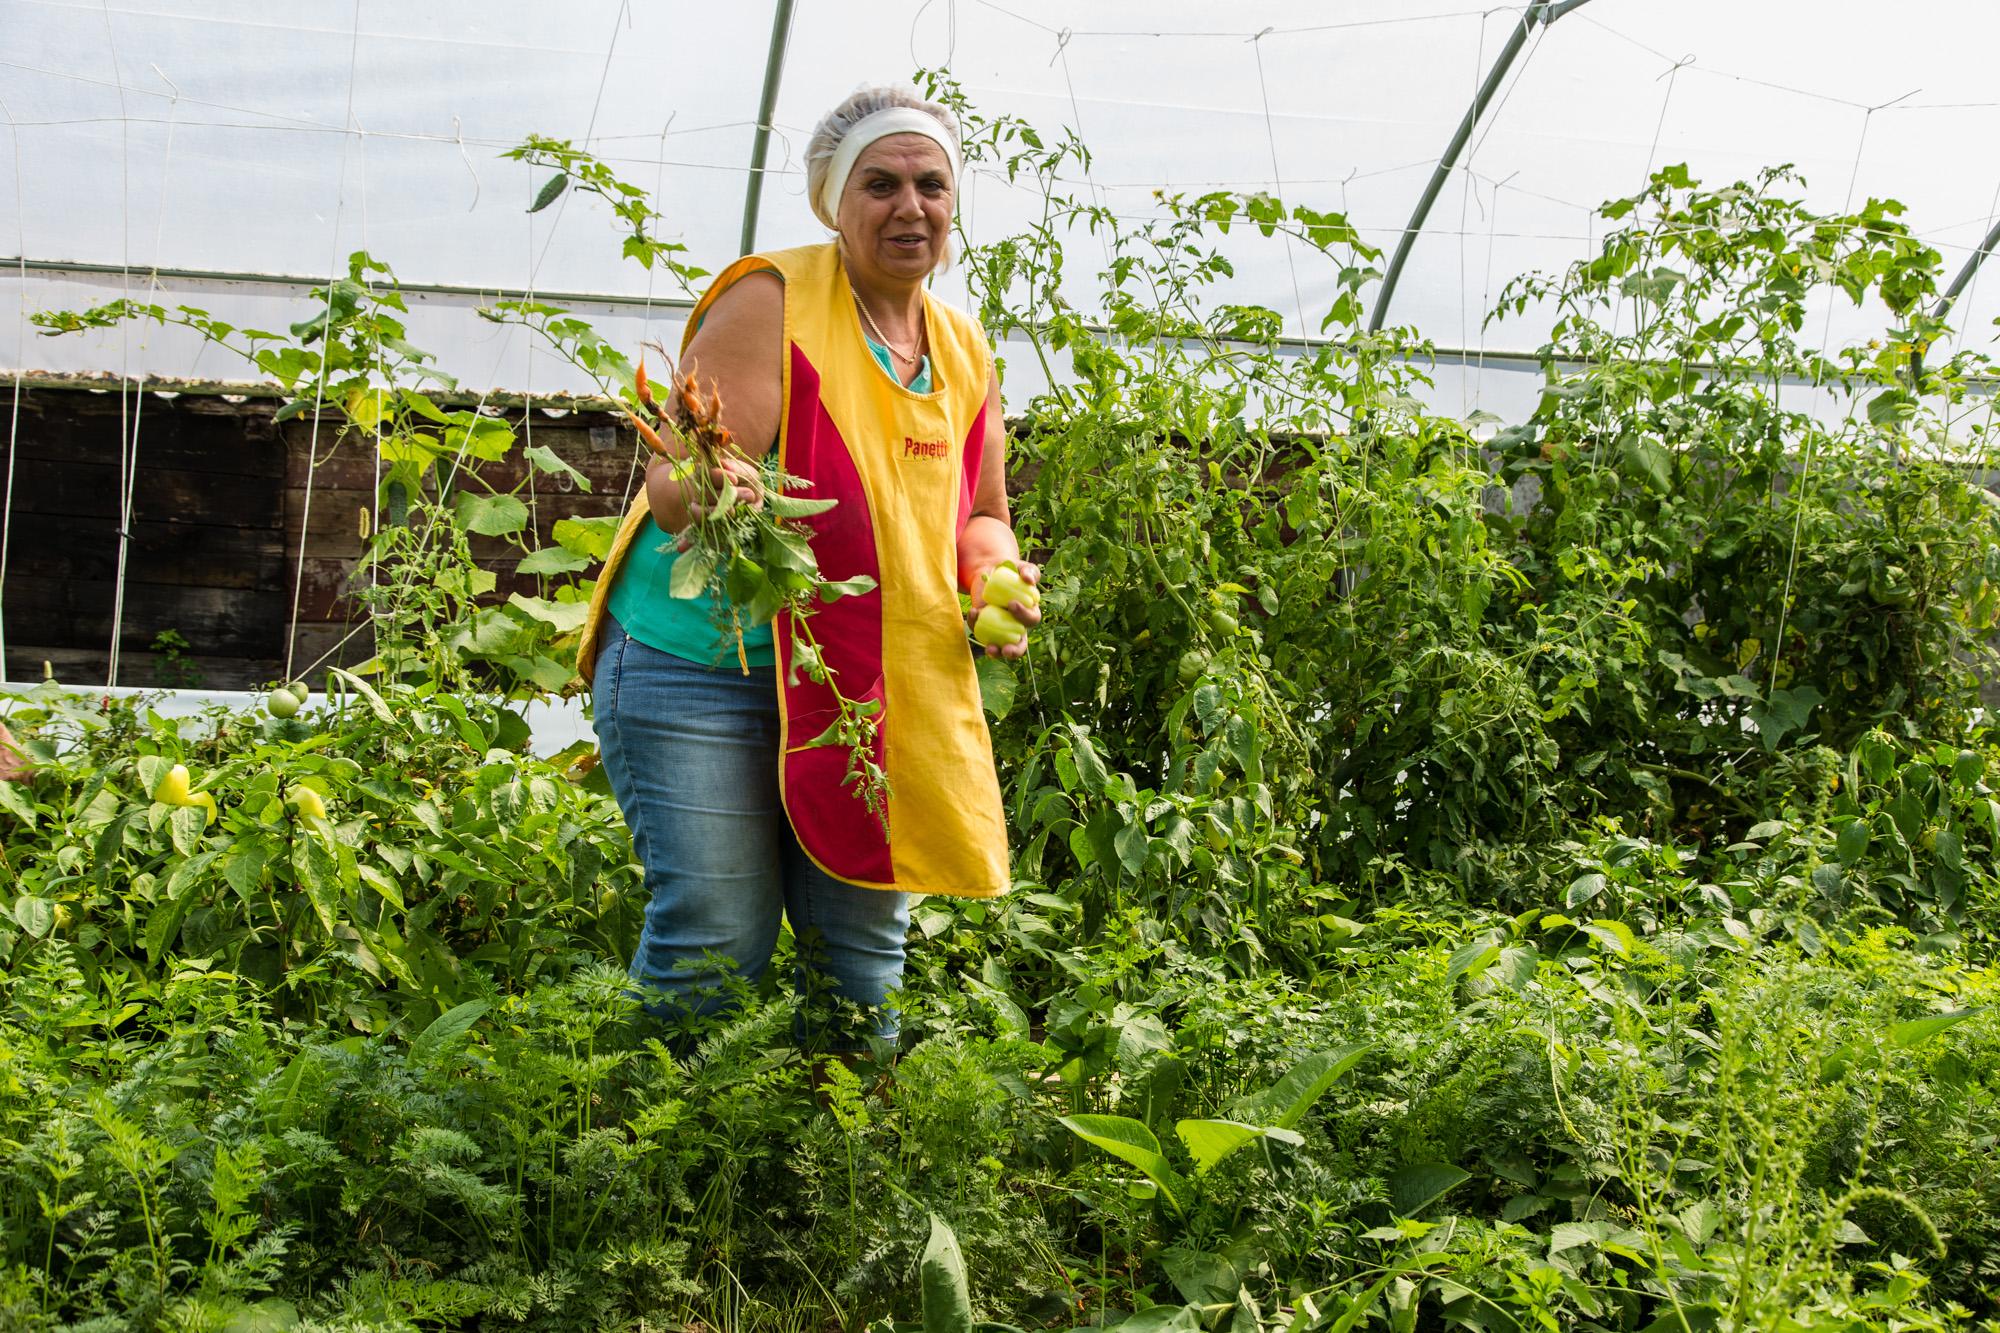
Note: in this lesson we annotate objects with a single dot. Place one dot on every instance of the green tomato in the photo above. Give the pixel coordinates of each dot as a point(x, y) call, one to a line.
point(1193, 663)
point(996, 627)
point(299, 690)
point(1222, 622)
point(281, 702)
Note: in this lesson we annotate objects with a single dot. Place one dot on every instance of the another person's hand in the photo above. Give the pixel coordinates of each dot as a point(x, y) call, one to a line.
point(13, 764)
point(1028, 615)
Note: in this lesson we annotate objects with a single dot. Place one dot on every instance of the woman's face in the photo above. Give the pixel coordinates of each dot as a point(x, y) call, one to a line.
point(895, 214)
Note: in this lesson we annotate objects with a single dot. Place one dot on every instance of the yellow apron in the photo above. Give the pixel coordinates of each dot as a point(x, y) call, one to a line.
point(903, 467)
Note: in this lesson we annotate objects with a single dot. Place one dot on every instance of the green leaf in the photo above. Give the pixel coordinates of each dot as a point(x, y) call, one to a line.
point(1648, 462)
point(1201, 1277)
point(997, 686)
point(178, 899)
point(543, 459)
point(445, 1030)
point(792, 506)
point(1950, 849)
point(1131, 1141)
point(1474, 957)
point(1090, 770)
point(1613, 935)
point(946, 1301)
point(1131, 844)
point(382, 885)
point(691, 573)
point(270, 1315)
point(1418, 1186)
point(1784, 712)
point(1140, 1034)
point(491, 515)
point(1209, 1142)
point(423, 407)
point(366, 691)
point(184, 828)
point(485, 438)
point(589, 537)
point(1161, 1319)
point(491, 633)
point(35, 915)
point(1917, 1031)
point(1888, 408)
point(1286, 1102)
point(855, 587)
point(553, 560)
point(563, 616)
point(549, 192)
point(20, 806)
point(1852, 843)
point(1517, 966)
point(544, 672)
point(317, 871)
point(1906, 809)
point(1570, 1235)
point(244, 869)
point(152, 768)
point(1584, 888)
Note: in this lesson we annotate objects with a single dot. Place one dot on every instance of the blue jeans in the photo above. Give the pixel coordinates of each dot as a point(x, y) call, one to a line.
point(692, 755)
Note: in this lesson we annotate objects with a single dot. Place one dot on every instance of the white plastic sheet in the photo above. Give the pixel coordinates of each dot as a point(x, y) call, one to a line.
point(251, 139)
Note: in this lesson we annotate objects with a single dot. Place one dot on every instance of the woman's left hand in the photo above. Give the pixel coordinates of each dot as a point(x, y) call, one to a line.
point(1029, 616)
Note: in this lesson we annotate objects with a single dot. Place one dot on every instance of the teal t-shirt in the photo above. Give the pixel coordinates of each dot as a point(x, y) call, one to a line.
point(643, 602)
point(642, 599)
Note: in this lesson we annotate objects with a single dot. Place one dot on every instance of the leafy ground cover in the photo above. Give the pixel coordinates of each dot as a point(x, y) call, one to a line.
point(1470, 874)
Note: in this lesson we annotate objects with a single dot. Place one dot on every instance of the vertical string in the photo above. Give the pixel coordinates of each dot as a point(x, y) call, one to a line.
point(1672, 76)
point(128, 463)
point(506, 342)
point(139, 387)
point(1812, 401)
point(1465, 209)
point(646, 318)
point(347, 137)
point(1485, 298)
point(1076, 118)
point(535, 267)
point(21, 345)
point(375, 494)
point(1278, 178)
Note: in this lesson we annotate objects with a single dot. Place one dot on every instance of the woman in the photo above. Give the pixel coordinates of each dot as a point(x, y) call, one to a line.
point(886, 401)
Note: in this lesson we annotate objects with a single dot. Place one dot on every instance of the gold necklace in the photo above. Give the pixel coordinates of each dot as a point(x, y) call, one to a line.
point(909, 356)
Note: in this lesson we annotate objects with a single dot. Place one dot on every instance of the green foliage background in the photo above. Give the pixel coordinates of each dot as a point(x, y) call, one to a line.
point(1470, 874)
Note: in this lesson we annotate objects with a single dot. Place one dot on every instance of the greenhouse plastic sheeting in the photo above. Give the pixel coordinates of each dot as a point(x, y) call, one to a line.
point(250, 140)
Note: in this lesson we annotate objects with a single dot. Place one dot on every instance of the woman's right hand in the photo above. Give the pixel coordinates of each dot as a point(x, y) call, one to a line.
point(740, 472)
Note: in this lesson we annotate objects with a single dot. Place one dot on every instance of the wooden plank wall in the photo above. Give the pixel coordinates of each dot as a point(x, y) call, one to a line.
point(596, 444)
point(222, 502)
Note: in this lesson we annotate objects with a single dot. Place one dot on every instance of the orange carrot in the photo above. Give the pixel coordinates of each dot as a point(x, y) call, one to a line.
point(649, 435)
